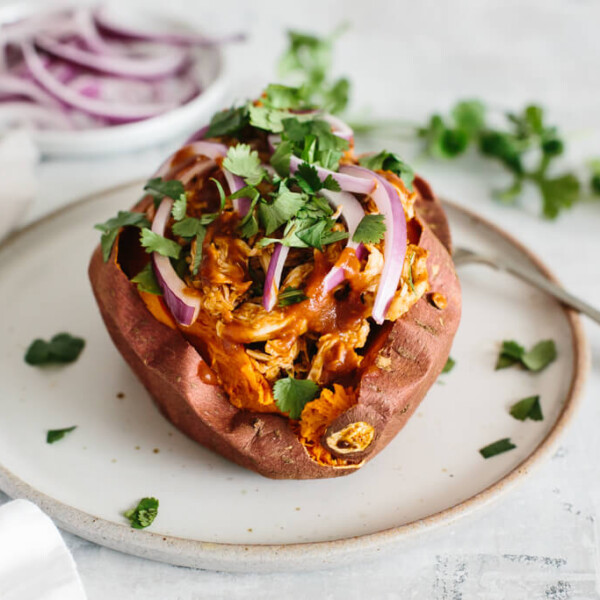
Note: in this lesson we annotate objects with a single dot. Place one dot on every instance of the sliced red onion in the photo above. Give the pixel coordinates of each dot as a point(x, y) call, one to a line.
point(338, 127)
point(183, 306)
point(235, 183)
point(388, 202)
point(159, 67)
point(116, 111)
point(17, 86)
point(352, 213)
point(273, 277)
point(109, 25)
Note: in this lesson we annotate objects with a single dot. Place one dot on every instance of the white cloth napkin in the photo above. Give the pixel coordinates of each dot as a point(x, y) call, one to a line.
point(35, 563)
point(18, 180)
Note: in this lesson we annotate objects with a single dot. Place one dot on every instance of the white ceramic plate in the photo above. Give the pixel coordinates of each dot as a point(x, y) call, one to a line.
point(214, 514)
point(210, 72)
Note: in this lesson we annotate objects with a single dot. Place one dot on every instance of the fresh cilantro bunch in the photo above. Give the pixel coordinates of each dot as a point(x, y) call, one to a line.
point(525, 136)
point(308, 59)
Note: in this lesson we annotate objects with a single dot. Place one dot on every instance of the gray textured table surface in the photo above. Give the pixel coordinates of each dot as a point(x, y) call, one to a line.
point(540, 541)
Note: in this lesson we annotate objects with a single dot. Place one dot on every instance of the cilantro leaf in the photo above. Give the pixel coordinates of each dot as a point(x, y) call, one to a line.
point(160, 188)
point(187, 228)
point(313, 234)
point(54, 435)
point(157, 243)
point(243, 161)
point(290, 295)
point(266, 118)
point(449, 365)
point(143, 514)
point(198, 251)
point(179, 208)
point(503, 445)
point(540, 356)
point(292, 395)
point(280, 159)
point(528, 408)
point(443, 141)
point(147, 282)
point(228, 122)
point(308, 179)
point(536, 359)
point(110, 229)
point(388, 161)
point(61, 349)
point(558, 193)
point(284, 206)
point(469, 115)
point(283, 96)
point(370, 230)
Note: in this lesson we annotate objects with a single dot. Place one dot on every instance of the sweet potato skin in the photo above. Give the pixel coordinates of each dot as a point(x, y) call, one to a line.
point(401, 369)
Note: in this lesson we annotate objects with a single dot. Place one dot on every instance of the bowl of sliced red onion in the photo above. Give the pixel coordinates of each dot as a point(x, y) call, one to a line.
point(92, 80)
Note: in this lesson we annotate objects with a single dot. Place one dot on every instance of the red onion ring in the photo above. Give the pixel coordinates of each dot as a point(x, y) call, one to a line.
point(183, 307)
point(116, 111)
point(105, 23)
point(273, 276)
point(388, 202)
point(149, 69)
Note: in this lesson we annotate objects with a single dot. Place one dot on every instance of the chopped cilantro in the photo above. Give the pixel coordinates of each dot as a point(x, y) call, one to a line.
point(54, 435)
point(157, 243)
point(61, 349)
point(510, 353)
point(284, 97)
point(449, 365)
point(280, 159)
point(285, 205)
point(536, 359)
point(503, 445)
point(160, 188)
point(110, 229)
point(388, 161)
point(243, 161)
point(179, 208)
point(370, 230)
point(228, 122)
point(540, 356)
point(147, 282)
point(198, 252)
point(188, 227)
point(290, 295)
point(143, 514)
point(528, 408)
point(292, 395)
point(307, 177)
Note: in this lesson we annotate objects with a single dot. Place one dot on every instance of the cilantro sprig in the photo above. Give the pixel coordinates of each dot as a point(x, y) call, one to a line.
point(110, 229)
point(292, 395)
point(370, 230)
point(146, 281)
point(388, 161)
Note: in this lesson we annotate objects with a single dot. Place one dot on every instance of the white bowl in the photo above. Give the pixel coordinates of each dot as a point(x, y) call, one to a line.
point(211, 75)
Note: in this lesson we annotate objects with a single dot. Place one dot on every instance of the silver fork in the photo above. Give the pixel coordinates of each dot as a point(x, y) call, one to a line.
point(464, 256)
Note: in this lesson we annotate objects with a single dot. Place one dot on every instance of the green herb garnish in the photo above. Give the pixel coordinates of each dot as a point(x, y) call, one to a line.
point(388, 161)
point(153, 242)
point(61, 349)
point(370, 230)
point(528, 408)
point(503, 445)
point(536, 359)
point(160, 188)
point(449, 365)
point(243, 161)
point(54, 435)
point(290, 295)
point(147, 282)
point(292, 395)
point(228, 122)
point(110, 229)
point(143, 514)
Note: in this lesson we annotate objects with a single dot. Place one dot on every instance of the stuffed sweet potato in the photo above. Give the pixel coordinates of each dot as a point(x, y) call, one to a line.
point(285, 303)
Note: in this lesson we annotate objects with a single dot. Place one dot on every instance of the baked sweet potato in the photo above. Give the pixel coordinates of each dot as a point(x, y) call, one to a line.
point(310, 386)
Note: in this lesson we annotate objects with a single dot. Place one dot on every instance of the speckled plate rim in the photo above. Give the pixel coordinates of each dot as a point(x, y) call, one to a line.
point(298, 556)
